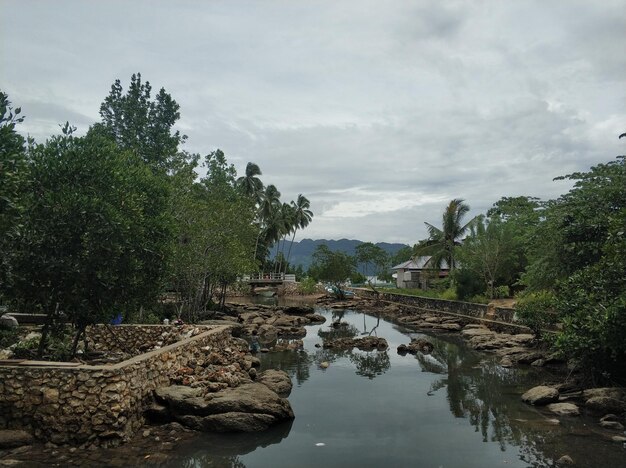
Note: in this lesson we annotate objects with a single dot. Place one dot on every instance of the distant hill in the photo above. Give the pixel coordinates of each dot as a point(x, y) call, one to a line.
point(302, 251)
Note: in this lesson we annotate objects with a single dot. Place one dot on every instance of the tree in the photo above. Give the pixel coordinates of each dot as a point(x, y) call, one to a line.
point(302, 217)
point(95, 236)
point(145, 126)
point(332, 267)
point(215, 234)
point(371, 255)
point(489, 252)
point(13, 180)
point(250, 184)
point(441, 243)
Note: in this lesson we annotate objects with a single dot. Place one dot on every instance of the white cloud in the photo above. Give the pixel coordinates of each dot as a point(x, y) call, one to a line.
point(378, 112)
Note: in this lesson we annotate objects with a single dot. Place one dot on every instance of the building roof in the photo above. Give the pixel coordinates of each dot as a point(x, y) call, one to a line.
point(418, 263)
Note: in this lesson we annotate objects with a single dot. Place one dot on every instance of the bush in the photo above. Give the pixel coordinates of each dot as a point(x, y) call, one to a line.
point(501, 292)
point(478, 299)
point(307, 286)
point(449, 294)
point(468, 284)
point(537, 311)
point(8, 336)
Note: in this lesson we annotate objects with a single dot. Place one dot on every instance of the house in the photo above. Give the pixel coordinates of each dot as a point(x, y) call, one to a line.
point(416, 272)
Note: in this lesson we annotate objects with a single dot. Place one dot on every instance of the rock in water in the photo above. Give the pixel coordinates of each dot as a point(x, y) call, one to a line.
point(276, 380)
point(541, 395)
point(8, 321)
point(564, 409)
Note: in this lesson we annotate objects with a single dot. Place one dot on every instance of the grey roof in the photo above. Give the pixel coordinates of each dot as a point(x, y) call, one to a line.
point(418, 263)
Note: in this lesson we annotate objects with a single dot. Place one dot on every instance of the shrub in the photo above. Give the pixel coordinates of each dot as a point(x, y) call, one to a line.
point(501, 292)
point(307, 286)
point(537, 311)
point(449, 294)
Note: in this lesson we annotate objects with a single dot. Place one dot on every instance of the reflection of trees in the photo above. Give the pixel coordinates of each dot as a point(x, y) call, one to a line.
point(370, 364)
point(476, 389)
point(373, 330)
point(296, 363)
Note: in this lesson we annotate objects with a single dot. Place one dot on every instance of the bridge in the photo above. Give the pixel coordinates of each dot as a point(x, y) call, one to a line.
point(269, 279)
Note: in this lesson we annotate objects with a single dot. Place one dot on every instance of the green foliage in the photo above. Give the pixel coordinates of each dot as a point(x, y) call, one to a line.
point(449, 294)
point(490, 252)
point(468, 284)
point(501, 292)
point(142, 125)
point(308, 285)
point(8, 336)
point(13, 181)
point(441, 243)
point(95, 235)
point(372, 256)
point(332, 267)
point(537, 311)
point(357, 278)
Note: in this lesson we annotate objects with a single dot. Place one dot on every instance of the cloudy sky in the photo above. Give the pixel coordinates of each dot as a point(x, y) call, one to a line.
point(378, 112)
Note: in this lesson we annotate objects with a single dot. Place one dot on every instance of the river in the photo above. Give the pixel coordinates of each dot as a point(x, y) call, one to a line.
point(453, 408)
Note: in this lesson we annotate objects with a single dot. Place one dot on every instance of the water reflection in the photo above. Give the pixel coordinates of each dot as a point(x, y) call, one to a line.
point(460, 396)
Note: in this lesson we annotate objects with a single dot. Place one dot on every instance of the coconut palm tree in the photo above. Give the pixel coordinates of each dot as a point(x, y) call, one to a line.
point(442, 242)
point(269, 205)
point(303, 217)
point(250, 184)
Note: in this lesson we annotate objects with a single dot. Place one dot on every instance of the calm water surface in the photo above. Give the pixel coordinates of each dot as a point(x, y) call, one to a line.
point(453, 408)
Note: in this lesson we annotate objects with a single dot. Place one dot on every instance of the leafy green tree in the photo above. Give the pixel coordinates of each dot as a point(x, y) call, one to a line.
point(441, 243)
point(96, 234)
point(215, 234)
point(139, 123)
point(489, 252)
point(13, 180)
point(371, 255)
point(332, 267)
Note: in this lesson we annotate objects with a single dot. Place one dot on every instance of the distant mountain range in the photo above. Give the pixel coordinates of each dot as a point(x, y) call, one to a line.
point(302, 251)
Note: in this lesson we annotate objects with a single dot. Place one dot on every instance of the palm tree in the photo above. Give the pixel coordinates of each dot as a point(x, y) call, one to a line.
point(286, 223)
point(250, 184)
point(269, 205)
point(442, 242)
point(303, 217)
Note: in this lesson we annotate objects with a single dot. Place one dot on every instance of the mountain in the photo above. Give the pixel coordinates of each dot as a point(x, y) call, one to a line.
point(302, 251)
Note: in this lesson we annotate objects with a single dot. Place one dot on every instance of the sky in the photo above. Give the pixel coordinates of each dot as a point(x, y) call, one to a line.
point(378, 112)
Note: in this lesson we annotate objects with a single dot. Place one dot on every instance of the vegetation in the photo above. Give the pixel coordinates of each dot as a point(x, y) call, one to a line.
point(110, 223)
point(332, 267)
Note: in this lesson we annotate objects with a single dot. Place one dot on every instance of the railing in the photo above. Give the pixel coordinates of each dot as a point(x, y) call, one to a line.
point(265, 276)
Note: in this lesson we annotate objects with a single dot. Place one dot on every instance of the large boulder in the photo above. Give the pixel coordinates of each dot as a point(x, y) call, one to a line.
point(8, 321)
point(605, 404)
point(276, 380)
point(564, 409)
point(541, 395)
point(14, 438)
point(299, 310)
point(247, 408)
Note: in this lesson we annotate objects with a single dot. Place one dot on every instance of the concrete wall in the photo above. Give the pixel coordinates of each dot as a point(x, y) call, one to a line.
point(96, 404)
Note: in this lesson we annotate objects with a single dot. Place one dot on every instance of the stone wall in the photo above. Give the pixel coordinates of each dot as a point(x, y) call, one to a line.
point(96, 404)
point(469, 309)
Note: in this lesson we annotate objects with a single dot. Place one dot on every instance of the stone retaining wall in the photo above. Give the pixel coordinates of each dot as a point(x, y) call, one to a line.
point(469, 309)
point(96, 404)
point(135, 340)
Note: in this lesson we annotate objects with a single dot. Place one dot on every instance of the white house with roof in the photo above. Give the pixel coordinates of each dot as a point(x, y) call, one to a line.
point(416, 272)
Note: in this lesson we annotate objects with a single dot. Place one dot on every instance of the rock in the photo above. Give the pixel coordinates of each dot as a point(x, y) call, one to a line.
point(324, 364)
point(564, 409)
point(249, 407)
point(538, 363)
point(618, 438)
point(276, 380)
point(540, 395)
point(252, 373)
point(10, 462)
point(605, 404)
point(175, 393)
point(8, 321)
point(610, 392)
point(565, 460)
point(10, 438)
point(315, 318)
point(609, 417)
point(368, 343)
point(147, 433)
point(299, 310)
point(613, 425)
point(506, 362)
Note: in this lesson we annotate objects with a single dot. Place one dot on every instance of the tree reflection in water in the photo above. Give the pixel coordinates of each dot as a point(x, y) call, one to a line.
point(479, 389)
point(370, 364)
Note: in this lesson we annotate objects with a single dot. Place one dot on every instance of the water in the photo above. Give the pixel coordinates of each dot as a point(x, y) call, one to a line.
point(453, 408)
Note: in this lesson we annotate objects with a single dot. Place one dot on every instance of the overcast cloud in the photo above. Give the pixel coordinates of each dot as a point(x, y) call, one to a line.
point(378, 112)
